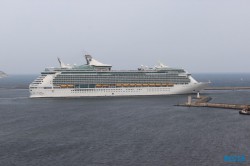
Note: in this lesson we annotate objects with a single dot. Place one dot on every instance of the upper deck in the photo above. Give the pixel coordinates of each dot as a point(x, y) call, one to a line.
point(93, 66)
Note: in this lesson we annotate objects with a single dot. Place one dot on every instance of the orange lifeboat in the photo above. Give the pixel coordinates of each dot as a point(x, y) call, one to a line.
point(70, 86)
point(105, 85)
point(151, 85)
point(98, 85)
point(63, 86)
point(158, 85)
point(163, 84)
point(170, 85)
point(118, 85)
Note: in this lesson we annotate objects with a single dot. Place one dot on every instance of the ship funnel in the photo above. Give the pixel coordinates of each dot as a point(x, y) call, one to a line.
point(91, 61)
point(62, 65)
point(60, 62)
point(88, 59)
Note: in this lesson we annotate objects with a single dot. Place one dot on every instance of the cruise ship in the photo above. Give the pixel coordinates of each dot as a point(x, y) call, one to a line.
point(98, 79)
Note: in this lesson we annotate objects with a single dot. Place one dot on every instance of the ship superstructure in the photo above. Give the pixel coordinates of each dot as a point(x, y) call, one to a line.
point(97, 79)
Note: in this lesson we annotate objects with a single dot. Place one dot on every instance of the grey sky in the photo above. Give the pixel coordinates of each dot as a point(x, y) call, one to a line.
point(198, 35)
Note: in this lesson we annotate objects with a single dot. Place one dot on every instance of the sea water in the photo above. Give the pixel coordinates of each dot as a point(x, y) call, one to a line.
point(121, 131)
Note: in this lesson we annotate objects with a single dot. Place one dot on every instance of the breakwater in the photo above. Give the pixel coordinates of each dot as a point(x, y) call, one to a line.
point(203, 101)
point(228, 88)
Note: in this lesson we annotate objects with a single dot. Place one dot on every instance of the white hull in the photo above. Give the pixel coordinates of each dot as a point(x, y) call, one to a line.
point(130, 91)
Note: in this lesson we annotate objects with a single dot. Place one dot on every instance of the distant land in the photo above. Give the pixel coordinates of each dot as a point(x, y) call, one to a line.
point(2, 74)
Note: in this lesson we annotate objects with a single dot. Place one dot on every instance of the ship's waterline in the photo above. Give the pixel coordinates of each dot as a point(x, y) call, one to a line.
point(97, 79)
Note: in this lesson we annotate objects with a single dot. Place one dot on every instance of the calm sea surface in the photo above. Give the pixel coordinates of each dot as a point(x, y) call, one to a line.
point(122, 131)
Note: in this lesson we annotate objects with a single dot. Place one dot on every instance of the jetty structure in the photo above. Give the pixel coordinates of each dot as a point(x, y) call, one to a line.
point(204, 101)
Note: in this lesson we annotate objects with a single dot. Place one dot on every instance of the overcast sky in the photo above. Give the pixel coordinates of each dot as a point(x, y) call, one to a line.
point(197, 35)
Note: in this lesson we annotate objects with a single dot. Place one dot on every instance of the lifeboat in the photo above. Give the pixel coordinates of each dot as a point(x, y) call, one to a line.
point(151, 85)
point(98, 85)
point(158, 85)
point(138, 85)
point(63, 86)
point(144, 84)
point(126, 85)
point(163, 84)
point(118, 85)
point(105, 85)
point(70, 86)
point(170, 85)
point(132, 85)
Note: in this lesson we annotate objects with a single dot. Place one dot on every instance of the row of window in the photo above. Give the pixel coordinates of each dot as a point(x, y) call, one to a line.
point(119, 90)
